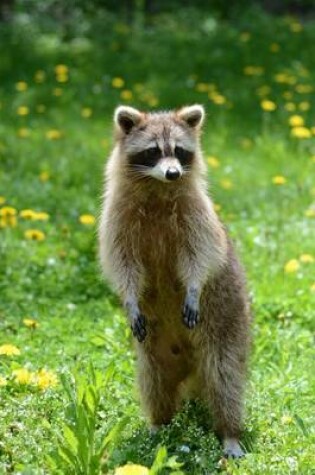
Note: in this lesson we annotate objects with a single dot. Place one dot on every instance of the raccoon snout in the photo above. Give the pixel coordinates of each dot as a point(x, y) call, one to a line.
point(172, 174)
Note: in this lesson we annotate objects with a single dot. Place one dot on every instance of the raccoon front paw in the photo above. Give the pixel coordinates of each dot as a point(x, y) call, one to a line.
point(190, 316)
point(138, 327)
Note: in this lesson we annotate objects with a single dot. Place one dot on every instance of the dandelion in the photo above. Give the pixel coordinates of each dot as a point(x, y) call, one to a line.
point(268, 105)
point(44, 176)
point(86, 112)
point(45, 379)
point(213, 162)
point(34, 235)
point(226, 184)
point(30, 323)
point(301, 132)
point(34, 215)
point(118, 83)
point(132, 469)
point(23, 110)
point(304, 106)
point(23, 133)
point(2, 200)
point(41, 216)
point(9, 350)
point(253, 70)
point(61, 69)
point(7, 212)
point(202, 87)
point(279, 180)
point(307, 258)
point(21, 86)
point(126, 95)
point(22, 376)
point(218, 99)
point(40, 76)
point(53, 134)
point(296, 121)
point(3, 381)
point(27, 214)
point(290, 106)
point(291, 266)
point(87, 219)
point(62, 78)
point(304, 88)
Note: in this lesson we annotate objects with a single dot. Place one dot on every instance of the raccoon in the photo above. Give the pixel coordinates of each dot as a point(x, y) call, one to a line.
point(169, 258)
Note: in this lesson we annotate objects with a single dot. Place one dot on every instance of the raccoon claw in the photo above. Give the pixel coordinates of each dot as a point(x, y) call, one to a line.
point(190, 316)
point(138, 328)
point(232, 449)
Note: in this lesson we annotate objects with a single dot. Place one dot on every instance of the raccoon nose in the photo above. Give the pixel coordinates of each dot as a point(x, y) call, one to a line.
point(172, 174)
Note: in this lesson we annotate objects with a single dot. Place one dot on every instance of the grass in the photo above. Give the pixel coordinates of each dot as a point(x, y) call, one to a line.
point(52, 160)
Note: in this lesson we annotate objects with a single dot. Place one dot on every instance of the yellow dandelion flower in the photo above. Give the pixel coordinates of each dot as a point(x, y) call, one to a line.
point(218, 99)
point(40, 76)
point(263, 91)
point(45, 379)
point(126, 95)
point(152, 101)
point(57, 92)
point(132, 469)
point(41, 216)
point(21, 86)
point(2, 200)
point(296, 27)
point(213, 162)
point(7, 212)
point(30, 323)
point(296, 121)
point(61, 69)
point(9, 350)
point(253, 70)
point(53, 134)
point(290, 106)
point(304, 88)
point(62, 78)
point(22, 376)
point(86, 112)
point(245, 36)
point(307, 258)
point(313, 287)
point(27, 214)
point(274, 47)
point(301, 132)
point(3, 381)
point(268, 105)
point(40, 108)
point(23, 110)
point(118, 83)
point(304, 106)
point(44, 176)
point(23, 133)
point(34, 235)
point(87, 219)
point(310, 213)
point(291, 266)
point(226, 184)
point(202, 87)
point(8, 222)
point(279, 180)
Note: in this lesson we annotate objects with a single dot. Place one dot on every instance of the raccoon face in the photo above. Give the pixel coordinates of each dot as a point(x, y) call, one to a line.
point(159, 145)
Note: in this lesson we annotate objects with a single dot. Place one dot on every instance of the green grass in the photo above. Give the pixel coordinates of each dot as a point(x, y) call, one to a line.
point(176, 60)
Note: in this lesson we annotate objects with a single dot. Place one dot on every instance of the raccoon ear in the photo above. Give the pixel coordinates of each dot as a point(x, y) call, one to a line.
point(192, 115)
point(126, 118)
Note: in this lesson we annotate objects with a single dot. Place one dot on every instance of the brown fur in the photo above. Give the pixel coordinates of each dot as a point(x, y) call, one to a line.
point(159, 243)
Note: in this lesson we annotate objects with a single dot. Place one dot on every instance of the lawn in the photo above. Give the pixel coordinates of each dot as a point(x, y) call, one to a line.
point(66, 357)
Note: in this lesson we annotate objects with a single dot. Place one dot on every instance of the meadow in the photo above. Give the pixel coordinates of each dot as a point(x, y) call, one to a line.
point(68, 402)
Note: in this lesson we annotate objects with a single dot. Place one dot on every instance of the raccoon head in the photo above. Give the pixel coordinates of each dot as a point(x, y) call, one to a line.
point(160, 145)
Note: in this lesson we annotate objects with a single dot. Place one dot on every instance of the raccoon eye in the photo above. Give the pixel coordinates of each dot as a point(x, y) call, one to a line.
point(153, 153)
point(147, 158)
point(184, 156)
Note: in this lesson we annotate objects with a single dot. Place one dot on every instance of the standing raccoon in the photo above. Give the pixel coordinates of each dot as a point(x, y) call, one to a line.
point(168, 256)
